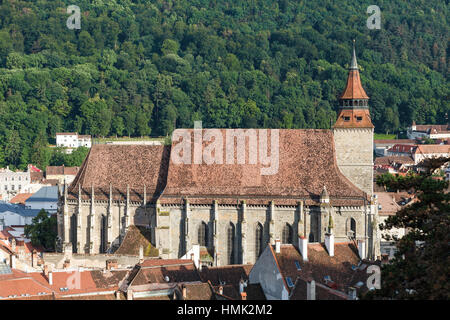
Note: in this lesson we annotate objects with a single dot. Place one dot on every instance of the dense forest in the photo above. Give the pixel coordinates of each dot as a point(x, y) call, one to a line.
point(144, 67)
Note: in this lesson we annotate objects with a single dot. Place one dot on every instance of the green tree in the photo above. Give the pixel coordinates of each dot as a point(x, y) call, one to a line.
point(13, 147)
point(420, 268)
point(40, 152)
point(43, 230)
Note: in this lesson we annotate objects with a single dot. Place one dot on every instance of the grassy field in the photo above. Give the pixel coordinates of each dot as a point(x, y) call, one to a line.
point(382, 136)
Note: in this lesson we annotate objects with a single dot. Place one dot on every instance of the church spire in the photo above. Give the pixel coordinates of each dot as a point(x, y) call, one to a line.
point(354, 64)
point(353, 103)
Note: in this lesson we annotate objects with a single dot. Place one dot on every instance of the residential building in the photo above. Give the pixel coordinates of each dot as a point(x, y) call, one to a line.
point(334, 271)
point(434, 131)
point(427, 151)
point(389, 203)
point(46, 198)
point(382, 146)
point(15, 214)
point(402, 150)
point(72, 140)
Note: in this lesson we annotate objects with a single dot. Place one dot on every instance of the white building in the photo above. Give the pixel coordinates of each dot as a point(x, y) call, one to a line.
point(428, 131)
point(13, 215)
point(71, 140)
point(13, 183)
point(46, 198)
point(425, 151)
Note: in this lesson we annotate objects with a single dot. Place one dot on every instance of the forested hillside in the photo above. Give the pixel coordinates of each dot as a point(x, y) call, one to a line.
point(144, 67)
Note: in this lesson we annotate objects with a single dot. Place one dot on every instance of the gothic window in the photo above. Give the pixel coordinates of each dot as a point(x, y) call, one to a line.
point(286, 236)
point(73, 232)
point(103, 234)
point(351, 228)
point(230, 243)
point(258, 239)
point(203, 234)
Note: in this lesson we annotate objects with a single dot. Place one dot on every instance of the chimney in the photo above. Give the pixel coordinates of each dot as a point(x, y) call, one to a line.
point(184, 291)
point(50, 278)
point(329, 243)
point(303, 246)
point(362, 249)
point(352, 293)
point(277, 246)
point(221, 289)
point(311, 290)
point(243, 295)
point(117, 295)
point(46, 270)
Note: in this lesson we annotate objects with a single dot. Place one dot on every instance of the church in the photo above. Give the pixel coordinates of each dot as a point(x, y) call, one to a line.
point(323, 184)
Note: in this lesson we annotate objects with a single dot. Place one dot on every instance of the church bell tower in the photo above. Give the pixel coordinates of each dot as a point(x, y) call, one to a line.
point(353, 132)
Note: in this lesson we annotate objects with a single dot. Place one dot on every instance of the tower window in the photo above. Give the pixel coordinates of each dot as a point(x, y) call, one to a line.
point(346, 118)
point(359, 118)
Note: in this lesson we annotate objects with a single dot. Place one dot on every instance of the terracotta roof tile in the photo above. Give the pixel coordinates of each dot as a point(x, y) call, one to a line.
point(307, 155)
point(320, 264)
point(156, 270)
point(20, 198)
point(354, 89)
point(133, 165)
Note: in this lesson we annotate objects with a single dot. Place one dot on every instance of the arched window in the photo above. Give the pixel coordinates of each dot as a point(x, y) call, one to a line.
point(230, 243)
point(286, 236)
point(73, 232)
point(104, 226)
point(203, 234)
point(259, 239)
point(353, 226)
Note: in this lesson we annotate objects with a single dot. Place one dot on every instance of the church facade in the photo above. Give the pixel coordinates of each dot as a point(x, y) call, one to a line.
point(323, 183)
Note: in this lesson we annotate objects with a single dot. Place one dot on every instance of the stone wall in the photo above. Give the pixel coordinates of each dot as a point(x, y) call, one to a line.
point(354, 155)
point(177, 227)
point(96, 229)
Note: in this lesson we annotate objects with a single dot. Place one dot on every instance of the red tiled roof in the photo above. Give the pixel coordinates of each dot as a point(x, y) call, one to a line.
point(354, 89)
point(85, 282)
point(432, 128)
point(307, 155)
point(36, 176)
point(320, 264)
point(432, 148)
point(380, 161)
point(353, 118)
point(402, 148)
point(20, 198)
point(156, 271)
point(61, 170)
point(133, 165)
